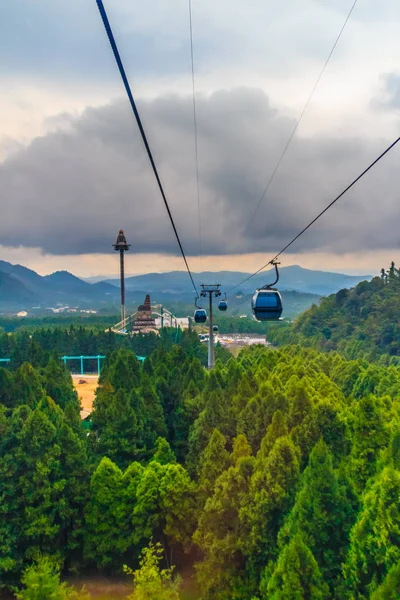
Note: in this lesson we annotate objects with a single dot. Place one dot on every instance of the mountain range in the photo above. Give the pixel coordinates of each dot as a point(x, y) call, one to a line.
point(22, 288)
point(291, 278)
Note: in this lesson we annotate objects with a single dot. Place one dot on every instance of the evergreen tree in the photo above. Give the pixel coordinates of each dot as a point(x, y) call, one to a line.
point(41, 581)
point(213, 461)
point(105, 541)
point(375, 537)
point(58, 383)
point(222, 570)
point(296, 575)
point(271, 494)
point(390, 587)
point(322, 515)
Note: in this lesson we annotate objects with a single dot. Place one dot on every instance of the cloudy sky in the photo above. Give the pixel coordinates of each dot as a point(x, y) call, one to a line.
point(73, 170)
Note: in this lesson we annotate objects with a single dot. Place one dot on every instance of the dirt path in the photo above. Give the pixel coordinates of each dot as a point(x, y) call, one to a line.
point(86, 386)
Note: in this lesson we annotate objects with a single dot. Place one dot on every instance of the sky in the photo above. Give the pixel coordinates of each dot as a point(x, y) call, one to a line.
point(73, 169)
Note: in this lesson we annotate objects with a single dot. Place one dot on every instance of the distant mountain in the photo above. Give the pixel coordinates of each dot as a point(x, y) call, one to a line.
point(23, 288)
point(14, 292)
point(291, 278)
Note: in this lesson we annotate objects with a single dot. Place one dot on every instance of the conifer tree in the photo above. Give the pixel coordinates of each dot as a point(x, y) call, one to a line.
point(271, 493)
point(375, 537)
point(296, 575)
point(222, 570)
point(213, 461)
point(58, 383)
point(105, 541)
point(321, 514)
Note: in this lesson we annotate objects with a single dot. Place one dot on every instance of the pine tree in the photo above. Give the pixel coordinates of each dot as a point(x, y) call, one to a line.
point(322, 515)
point(375, 537)
point(213, 461)
point(41, 581)
point(221, 572)
point(105, 541)
point(296, 575)
point(58, 383)
point(270, 496)
point(390, 587)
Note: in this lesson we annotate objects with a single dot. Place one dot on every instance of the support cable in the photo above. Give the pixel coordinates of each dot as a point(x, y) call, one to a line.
point(285, 149)
point(118, 60)
point(320, 214)
point(196, 146)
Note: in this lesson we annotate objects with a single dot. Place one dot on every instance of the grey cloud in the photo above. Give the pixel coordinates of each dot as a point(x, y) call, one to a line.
point(71, 190)
point(390, 95)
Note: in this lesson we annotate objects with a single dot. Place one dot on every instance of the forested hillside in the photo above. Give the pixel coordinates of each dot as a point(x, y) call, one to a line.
point(363, 321)
point(277, 474)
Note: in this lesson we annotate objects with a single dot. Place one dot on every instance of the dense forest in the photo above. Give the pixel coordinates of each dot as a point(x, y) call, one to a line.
point(363, 321)
point(277, 474)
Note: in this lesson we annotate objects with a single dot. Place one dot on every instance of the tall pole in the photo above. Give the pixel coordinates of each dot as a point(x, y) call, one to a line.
point(210, 291)
point(211, 354)
point(122, 276)
point(121, 246)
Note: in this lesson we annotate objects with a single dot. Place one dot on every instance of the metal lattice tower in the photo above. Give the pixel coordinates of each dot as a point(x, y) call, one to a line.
point(210, 291)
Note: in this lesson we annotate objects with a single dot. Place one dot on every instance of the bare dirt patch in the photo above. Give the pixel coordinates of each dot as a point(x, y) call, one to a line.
point(86, 387)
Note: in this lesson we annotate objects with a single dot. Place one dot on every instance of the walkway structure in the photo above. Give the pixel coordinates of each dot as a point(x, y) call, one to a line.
point(5, 360)
point(82, 358)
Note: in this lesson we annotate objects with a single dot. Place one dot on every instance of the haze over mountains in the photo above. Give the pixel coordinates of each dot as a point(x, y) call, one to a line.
point(291, 278)
point(22, 288)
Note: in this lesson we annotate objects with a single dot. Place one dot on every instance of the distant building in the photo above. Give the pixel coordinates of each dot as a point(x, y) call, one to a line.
point(22, 313)
point(144, 321)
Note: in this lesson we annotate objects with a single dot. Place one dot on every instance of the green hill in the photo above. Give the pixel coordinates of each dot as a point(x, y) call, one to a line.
point(363, 321)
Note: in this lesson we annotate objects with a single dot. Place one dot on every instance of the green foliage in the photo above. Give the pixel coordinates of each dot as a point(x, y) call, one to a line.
point(375, 537)
point(296, 575)
point(322, 514)
point(390, 587)
point(41, 581)
point(150, 581)
point(363, 321)
point(271, 472)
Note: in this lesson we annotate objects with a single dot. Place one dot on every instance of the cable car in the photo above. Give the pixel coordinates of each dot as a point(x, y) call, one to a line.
point(200, 315)
point(222, 304)
point(267, 301)
point(215, 328)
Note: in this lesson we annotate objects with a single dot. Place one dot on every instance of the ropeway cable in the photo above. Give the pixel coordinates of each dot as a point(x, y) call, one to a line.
point(118, 60)
point(286, 147)
point(320, 214)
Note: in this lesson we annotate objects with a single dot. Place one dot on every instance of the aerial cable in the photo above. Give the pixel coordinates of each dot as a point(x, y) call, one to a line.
point(320, 214)
point(196, 147)
point(118, 60)
point(286, 147)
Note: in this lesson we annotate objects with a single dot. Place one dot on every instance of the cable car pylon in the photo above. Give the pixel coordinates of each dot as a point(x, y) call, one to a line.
point(210, 291)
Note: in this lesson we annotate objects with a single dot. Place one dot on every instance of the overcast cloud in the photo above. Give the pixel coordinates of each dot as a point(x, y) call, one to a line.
point(71, 190)
point(73, 167)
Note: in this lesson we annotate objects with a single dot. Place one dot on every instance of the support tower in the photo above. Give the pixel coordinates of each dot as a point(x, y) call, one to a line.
point(210, 291)
point(121, 246)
